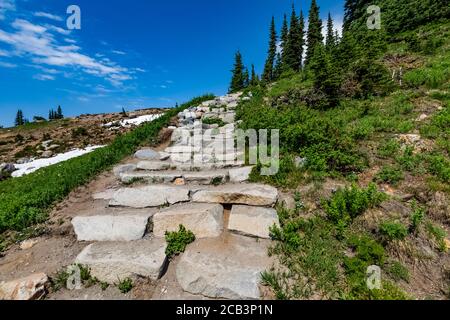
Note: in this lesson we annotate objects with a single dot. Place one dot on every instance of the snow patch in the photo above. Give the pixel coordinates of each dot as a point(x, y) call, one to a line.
point(134, 122)
point(27, 168)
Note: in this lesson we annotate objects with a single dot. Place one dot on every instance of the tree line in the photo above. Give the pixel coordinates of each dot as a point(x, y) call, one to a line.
point(20, 119)
point(338, 66)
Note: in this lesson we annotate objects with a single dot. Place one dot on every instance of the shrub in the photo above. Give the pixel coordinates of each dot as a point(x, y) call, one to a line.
point(416, 218)
point(393, 230)
point(125, 285)
point(439, 165)
point(388, 149)
point(389, 174)
point(346, 204)
point(178, 241)
point(214, 121)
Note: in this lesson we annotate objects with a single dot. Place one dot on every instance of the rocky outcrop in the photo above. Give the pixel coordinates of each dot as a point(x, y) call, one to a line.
point(29, 288)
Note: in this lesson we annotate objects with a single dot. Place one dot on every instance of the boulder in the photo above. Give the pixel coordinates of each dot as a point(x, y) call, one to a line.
point(249, 194)
point(149, 196)
point(221, 269)
point(203, 219)
point(47, 154)
point(147, 154)
point(29, 288)
point(112, 262)
point(127, 226)
point(253, 221)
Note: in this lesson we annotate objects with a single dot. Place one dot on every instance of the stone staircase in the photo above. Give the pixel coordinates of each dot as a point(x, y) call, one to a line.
point(199, 183)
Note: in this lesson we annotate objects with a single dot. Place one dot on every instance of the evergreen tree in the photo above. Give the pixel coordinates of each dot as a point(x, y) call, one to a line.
point(278, 69)
point(349, 13)
point(237, 80)
point(292, 57)
point(284, 38)
point(326, 78)
point(246, 78)
point(314, 31)
point(254, 81)
point(59, 113)
point(330, 40)
point(19, 121)
point(124, 113)
point(50, 114)
point(268, 68)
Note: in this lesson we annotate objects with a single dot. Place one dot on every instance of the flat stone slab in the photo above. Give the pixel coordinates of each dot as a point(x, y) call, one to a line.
point(127, 226)
point(112, 262)
point(253, 221)
point(227, 268)
point(147, 154)
point(149, 196)
point(153, 165)
point(249, 194)
point(206, 177)
point(240, 174)
point(104, 195)
point(203, 219)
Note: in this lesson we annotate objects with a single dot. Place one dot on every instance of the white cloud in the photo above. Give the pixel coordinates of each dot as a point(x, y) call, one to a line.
point(119, 52)
point(7, 65)
point(43, 77)
point(6, 5)
point(3, 53)
point(48, 16)
point(69, 40)
point(39, 43)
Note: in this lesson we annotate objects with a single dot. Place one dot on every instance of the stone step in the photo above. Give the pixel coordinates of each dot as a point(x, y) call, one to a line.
point(248, 194)
point(240, 174)
point(112, 262)
point(200, 177)
point(203, 219)
point(154, 165)
point(253, 221)
point(149, 196)
point(224, 268)
point(123, 225)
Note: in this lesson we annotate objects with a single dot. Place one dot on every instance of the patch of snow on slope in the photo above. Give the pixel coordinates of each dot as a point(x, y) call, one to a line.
point(134, 122)
point(27, 168)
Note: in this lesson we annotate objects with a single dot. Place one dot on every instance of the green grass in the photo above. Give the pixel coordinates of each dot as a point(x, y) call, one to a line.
point(27, 200)
point(214, 121)
point(398, 271)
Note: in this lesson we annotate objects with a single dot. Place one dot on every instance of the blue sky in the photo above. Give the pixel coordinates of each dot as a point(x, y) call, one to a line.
point(132, 54)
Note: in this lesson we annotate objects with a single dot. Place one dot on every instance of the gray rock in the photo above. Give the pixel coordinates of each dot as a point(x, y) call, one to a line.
point(204, 220)
point(221, 269)
point(153, 165)
point(124, 168)
point(24, 161)
point(253, 221)
point(240, 174)
point(7, 167)
point(147, 154)
point(207, 177)
point(104, 195)
point(114, 261)
point(127, 226)
point(47, 154)
point(29, 288)
point(149, 196)
point(300, 162)
point(249, 194)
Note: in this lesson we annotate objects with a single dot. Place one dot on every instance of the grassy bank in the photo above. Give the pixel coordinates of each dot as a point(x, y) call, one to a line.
point(27, 200)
